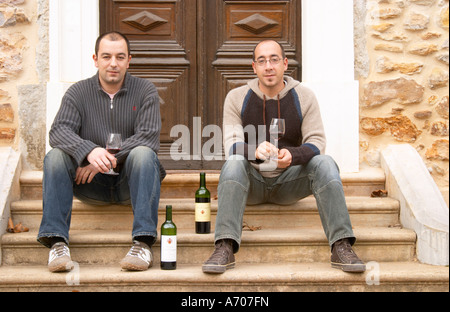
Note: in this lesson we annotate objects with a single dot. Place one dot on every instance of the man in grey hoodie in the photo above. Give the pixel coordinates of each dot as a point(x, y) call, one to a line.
point(250, 176)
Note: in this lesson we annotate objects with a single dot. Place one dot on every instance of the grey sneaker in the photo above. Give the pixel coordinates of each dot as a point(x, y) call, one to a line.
point(59, 258)
point(343, 257)
point(139, 258)
point(222, 258)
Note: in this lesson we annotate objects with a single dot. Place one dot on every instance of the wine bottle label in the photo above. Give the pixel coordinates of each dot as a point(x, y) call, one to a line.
point(168, 248)
point(202, 212)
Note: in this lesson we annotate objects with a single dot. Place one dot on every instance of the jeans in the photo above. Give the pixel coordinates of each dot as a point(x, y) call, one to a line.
point(240, 184)
point(138, 183)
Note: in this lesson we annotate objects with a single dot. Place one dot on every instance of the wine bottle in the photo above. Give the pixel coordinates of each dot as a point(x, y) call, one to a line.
point(202, 208)
point(168, 242)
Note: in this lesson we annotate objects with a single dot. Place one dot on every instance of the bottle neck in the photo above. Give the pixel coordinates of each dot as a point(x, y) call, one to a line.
point(169, 213)
point(202, 180)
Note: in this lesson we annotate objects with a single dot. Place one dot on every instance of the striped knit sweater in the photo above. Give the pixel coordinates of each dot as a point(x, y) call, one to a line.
point(244, 106)
point(87, 115)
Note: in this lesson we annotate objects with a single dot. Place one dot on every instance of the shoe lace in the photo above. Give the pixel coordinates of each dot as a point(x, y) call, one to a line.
point(219, 252)
point(138, 251)
point(345, 248)
point(59, 250)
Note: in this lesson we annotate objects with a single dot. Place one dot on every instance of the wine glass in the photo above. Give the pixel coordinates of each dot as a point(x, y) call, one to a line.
point(113, 146)
point(277, 130)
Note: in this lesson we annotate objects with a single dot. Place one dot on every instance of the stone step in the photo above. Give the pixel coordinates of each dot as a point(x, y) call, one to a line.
point(363, 211)
point(182, 184)
point(257, 278)
point(289, 253)
point(263, 246)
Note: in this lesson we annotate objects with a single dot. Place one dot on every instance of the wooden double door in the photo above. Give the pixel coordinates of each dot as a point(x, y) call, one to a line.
point(195, 51)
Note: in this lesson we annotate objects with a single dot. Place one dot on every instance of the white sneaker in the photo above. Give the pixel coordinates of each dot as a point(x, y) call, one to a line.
point(139, 258)
point(59, 258)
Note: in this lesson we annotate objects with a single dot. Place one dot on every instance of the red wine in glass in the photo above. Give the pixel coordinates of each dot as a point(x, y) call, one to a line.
point(277, 130)
point(113, 145)
point(113, 150)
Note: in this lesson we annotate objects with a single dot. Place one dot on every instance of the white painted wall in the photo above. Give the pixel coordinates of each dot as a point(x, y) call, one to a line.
point(328, 64)
point(328, 69)
point(73, 29)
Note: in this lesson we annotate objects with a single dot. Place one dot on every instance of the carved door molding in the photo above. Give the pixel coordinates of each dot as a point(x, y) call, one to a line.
point(195, 51)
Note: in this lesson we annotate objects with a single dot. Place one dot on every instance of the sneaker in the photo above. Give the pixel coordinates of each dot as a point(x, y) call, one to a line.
point(59, 258)
point(139, 258)
point(343, 257)
point(222, 258)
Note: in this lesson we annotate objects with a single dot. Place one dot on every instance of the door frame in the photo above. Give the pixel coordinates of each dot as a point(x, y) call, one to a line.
point(74, 26)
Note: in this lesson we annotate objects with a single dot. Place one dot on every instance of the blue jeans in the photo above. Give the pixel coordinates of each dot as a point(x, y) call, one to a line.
point(138, 183)
point(240, 184)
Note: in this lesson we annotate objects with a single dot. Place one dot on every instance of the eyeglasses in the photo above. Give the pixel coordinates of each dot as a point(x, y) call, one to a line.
point(274, 60)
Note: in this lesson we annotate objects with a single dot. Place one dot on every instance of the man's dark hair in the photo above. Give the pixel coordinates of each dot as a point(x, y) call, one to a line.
point(113, 36)
point(283, 53)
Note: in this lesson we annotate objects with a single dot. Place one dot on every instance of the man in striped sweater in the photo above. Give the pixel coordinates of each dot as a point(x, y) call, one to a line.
point(300, 168)
point(112, 101)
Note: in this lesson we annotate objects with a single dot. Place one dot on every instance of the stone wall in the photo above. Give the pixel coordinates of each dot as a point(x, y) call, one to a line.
point(403, 68)
point(23, 76)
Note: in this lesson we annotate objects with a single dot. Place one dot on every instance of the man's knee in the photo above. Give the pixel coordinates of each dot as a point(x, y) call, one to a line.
point(142, 166)
point(325, 165)
point(56, 159)
point(234, 169)
point(142, 159)
point(142, 154)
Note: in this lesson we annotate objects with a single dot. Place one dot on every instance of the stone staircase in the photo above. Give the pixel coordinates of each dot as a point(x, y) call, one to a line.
point(288, 253)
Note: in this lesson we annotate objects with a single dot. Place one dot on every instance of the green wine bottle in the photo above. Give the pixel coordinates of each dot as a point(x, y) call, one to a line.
point(202, 208)
point(168, 242)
